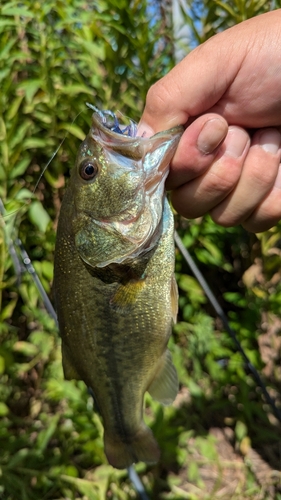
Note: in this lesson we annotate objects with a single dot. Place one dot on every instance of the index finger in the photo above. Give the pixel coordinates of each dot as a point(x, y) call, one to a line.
point(196, 84)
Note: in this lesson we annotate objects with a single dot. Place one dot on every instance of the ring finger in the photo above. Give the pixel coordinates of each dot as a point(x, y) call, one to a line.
point(256, 181)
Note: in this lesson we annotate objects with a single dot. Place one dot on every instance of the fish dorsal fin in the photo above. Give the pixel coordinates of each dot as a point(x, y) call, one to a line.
point(164, 386)
point(174, 298)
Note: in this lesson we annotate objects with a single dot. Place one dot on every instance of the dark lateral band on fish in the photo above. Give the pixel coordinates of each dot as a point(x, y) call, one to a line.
point(114, 285)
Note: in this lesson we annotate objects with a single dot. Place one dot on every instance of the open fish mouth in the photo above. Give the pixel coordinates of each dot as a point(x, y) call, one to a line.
point(150, 154)
point(110, 120)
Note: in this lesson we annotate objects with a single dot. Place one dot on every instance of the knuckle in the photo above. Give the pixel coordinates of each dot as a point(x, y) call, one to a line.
point(266, 215)
point(257, 225)
point(220, 182)
point(226, 215)
point(157, 98)
point(222, 220)
point(262, 166)
point(264, 175)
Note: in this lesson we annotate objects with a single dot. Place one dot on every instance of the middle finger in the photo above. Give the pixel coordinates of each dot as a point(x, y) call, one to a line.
point(200, 195)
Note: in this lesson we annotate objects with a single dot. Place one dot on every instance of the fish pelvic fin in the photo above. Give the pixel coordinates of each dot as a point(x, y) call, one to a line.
point(164, 386)
point(142, 447)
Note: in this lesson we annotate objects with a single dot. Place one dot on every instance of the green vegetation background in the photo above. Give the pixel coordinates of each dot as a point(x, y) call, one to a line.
point(54, 56)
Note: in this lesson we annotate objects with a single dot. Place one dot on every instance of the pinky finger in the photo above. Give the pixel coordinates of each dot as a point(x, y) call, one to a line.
point(268, 213)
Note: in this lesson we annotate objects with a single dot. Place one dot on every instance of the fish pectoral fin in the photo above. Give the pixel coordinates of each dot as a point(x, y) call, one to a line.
point(164, 386)
point(174, 298)
point(126, 296)
point(69, 370)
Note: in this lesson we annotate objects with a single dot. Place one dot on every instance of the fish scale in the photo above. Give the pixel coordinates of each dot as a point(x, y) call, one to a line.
point(114, 282)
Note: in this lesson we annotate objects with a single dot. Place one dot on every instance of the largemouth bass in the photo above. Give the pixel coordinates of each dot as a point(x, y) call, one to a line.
point(114, 284)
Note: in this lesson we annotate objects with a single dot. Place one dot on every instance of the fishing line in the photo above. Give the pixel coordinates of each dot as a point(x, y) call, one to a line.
point(54, 154)
point(45, 167)
point(218, 309)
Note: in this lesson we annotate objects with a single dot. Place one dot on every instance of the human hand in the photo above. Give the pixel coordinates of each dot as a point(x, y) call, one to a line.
point(229, 90)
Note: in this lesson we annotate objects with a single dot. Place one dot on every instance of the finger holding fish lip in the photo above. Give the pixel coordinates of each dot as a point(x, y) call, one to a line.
point(203, 192)
point(197, 149)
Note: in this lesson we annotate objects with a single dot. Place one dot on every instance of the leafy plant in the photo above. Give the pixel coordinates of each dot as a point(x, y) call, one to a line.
point(55, 56)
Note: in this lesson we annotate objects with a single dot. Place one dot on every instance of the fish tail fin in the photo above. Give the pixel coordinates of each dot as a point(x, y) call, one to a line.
point(142, 447)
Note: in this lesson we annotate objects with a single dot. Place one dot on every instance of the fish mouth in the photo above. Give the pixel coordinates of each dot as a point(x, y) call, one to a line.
point(110, 120)
point(123, 138)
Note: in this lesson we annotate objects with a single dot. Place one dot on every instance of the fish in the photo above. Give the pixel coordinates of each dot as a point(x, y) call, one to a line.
point(114, 286)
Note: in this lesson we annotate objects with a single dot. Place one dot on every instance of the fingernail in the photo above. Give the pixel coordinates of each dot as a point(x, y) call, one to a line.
point(144, 130)
point(235, 142)
point(270, 141)
point(211, 135)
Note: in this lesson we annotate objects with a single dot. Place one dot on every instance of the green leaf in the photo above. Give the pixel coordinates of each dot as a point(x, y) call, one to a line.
point(2, 365)
point(30, 88)
point(14, 107)
point(8, 310)
point(74, 130)
point(36, 142)
point(6, 23)
point(76, 89)
point(45, 435)
point(4, 410)
point(19, 134)
point(20, 168)
point(24, 194)
point(2, 129)
point(85, 487)
point(39, 216)
point(240, 430)
point(10, 10)
point(47, 269)
point(191, 286)
point(25, 348)
point(43, 342)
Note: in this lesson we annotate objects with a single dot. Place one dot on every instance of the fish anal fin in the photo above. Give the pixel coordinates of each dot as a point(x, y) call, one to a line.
point(69, 369)
point(174, 298)
point(164, 386)
point(141, 447)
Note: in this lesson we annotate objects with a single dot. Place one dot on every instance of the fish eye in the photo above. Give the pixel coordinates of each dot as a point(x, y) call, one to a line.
point(88, 170)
